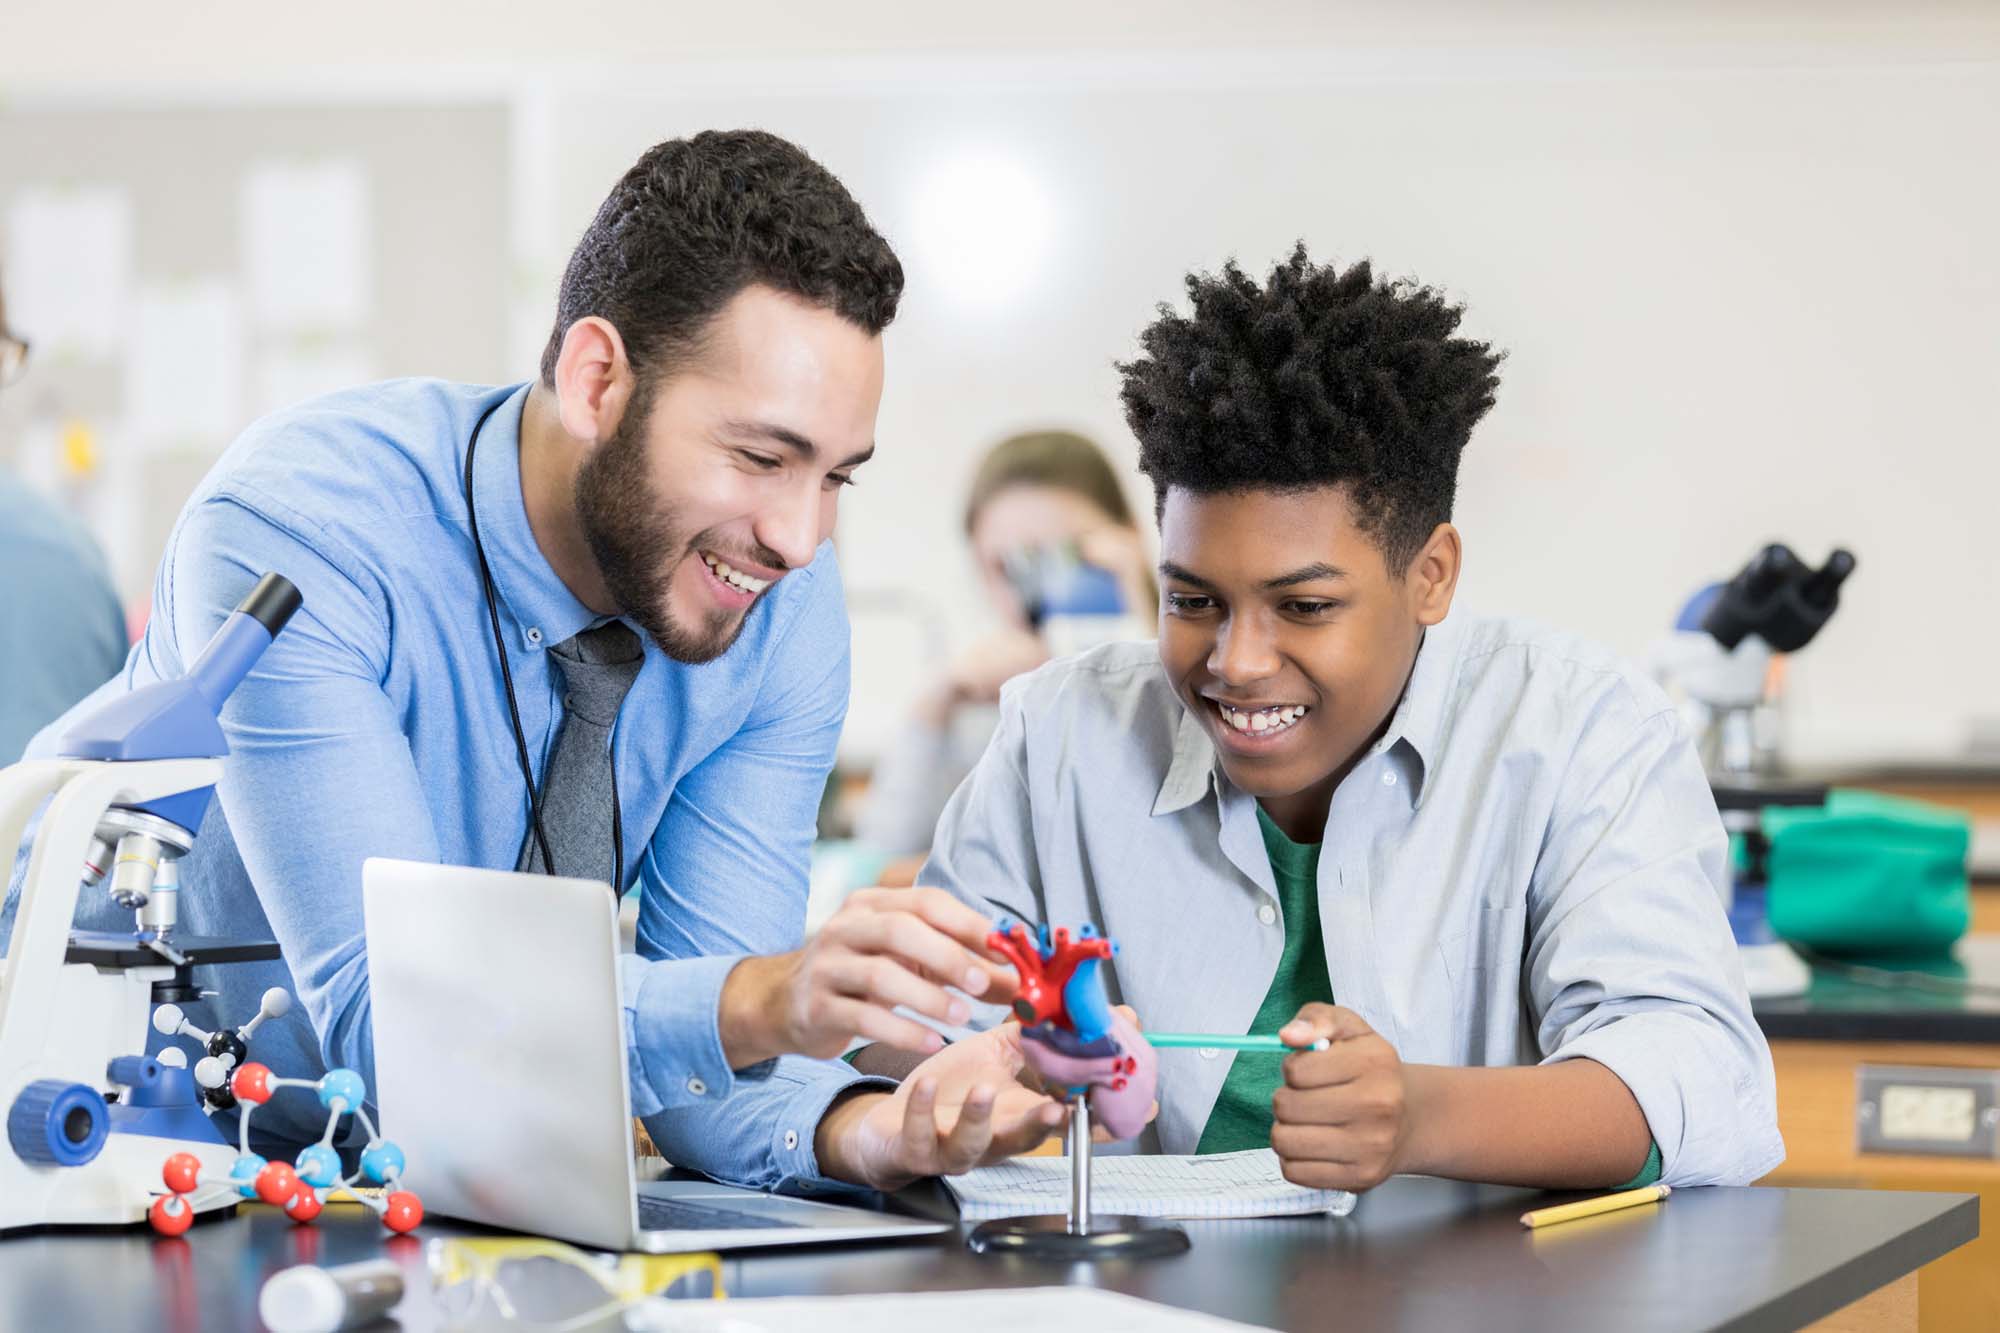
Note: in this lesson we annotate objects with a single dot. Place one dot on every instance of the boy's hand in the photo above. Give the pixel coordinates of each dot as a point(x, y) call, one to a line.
point(1342, 1119)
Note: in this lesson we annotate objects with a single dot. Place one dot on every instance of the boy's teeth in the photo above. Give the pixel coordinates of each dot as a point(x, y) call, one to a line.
point(1269, 719)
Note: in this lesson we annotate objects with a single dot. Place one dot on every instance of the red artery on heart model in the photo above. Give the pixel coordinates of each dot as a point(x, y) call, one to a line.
point(1070, 1034)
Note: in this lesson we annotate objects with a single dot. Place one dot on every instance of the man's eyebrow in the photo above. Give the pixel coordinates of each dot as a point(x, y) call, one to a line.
point(776, 434)
point(791, 439)
point(1312, 573)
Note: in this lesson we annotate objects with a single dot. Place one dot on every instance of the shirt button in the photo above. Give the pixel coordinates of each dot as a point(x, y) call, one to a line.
point(1208, 1052)
point(696, 1086)
point(791, 1139)
point(1388, 779)
point(1267, 914)
point(534, 635)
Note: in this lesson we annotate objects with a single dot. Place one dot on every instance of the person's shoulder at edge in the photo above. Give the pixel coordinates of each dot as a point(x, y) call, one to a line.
point(36, 523)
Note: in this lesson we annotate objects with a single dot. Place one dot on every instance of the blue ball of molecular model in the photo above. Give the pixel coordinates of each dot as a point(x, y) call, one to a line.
point(318, 1165)
point(382, 1162)
point(245, 1171)
point(342, 1085)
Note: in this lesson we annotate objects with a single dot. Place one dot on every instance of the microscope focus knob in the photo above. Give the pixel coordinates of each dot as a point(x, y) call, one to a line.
point(58, 1123)
point(133, 1071)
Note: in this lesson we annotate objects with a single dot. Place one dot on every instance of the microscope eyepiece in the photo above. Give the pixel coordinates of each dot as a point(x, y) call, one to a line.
point(272, 602)
point(1822, 589)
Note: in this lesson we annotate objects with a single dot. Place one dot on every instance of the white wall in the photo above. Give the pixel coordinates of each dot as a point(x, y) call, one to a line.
point(1741, 303)
point(1742, 254)
point(125, 46)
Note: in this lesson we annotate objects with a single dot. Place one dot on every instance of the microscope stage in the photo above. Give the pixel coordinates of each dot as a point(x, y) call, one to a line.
point(109, 948)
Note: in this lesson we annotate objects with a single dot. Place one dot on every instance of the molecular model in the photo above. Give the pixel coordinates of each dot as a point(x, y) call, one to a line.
point(303, 1187)
point(226, 1049)
point(1071, 1036)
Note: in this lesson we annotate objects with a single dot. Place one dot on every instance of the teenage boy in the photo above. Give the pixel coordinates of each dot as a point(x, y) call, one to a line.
point(1479, 856)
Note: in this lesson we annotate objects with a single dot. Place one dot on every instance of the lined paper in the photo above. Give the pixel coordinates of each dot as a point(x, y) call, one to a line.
point(1231, 1184)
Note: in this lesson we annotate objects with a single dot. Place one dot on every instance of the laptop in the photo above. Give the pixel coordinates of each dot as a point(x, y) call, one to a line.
point(500, 1070)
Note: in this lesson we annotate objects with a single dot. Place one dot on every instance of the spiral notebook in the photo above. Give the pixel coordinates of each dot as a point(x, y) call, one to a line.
point(1230, 1184)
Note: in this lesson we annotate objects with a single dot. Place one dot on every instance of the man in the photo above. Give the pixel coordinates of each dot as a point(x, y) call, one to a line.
point(612, 583)
point(61, 628)
point(1491, 843)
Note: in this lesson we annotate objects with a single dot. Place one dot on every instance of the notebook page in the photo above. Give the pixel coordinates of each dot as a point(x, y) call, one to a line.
point(1234, 1184)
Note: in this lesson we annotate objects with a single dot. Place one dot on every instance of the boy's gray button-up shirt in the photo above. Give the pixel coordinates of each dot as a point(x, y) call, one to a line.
point(1527, 867)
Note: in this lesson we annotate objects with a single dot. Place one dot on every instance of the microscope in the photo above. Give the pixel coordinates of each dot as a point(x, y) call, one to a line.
point(88, 1113)
point(1718, 661)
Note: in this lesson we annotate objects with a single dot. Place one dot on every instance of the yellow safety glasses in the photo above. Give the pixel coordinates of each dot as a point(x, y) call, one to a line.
point(534, 1283)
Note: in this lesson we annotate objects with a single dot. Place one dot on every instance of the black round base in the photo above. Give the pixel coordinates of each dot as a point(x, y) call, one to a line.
point(1049, 1237)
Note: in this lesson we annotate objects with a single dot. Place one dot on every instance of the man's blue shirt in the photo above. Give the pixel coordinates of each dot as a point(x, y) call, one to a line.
point(376, 725)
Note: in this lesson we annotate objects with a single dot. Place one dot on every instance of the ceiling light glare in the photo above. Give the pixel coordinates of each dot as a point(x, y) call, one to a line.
point(982, 228)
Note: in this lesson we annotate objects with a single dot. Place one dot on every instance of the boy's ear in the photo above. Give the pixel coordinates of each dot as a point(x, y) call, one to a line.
point(1432, 577)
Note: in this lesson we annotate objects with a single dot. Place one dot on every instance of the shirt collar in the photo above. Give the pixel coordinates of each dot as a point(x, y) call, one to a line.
point(544, 610)
point(1418, 722)
point(1192, 769)
point(1415, 726)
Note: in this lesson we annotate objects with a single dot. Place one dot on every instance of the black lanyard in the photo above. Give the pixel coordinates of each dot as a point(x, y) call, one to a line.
point(514, 709)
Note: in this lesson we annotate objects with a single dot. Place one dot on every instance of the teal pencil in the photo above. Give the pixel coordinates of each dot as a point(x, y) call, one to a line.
point(1254, 1042)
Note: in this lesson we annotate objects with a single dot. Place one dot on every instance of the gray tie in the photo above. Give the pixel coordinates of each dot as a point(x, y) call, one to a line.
point(578, 794)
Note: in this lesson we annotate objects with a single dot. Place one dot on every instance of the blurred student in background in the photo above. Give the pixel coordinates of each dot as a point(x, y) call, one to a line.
point(62, 633)
point(1045, 509)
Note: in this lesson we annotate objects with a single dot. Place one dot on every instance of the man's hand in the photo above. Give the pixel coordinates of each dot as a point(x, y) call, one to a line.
point(883, 948)
point(1342, 1118)
point(964, 1107)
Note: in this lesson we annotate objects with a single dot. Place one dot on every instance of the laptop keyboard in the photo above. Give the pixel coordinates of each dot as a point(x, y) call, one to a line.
point(657, 1214)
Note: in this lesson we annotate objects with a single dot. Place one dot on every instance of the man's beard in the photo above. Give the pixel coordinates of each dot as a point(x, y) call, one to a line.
point(630, 529)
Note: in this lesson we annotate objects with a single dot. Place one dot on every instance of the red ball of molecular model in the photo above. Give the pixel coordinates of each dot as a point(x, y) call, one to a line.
point(301, 1187)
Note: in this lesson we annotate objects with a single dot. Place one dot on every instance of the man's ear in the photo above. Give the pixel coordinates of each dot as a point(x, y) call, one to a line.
point(593, 380)
point(1432, 577)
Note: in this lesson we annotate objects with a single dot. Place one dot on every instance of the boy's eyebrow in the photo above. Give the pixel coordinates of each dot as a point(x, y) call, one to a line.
point(1304, 574)
point(1170, 570)
point(1312, 573)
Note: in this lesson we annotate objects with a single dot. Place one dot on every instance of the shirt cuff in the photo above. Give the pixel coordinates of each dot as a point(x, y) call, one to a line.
point(797, 1130)
point(1649, 1174)
point(1703, 1104)
point(764, 1136)
point(673, 1041)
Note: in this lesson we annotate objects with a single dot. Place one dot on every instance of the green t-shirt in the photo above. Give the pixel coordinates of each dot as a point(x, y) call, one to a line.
point(1242, 1115)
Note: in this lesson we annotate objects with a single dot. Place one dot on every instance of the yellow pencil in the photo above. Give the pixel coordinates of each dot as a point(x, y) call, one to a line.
point(1569, 1212)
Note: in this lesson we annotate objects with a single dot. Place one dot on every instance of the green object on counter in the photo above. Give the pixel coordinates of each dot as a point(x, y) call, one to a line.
point(1869, 874)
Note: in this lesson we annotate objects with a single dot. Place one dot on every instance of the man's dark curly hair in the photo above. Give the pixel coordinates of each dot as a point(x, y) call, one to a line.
point(1319, 377)
point(695, 221)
